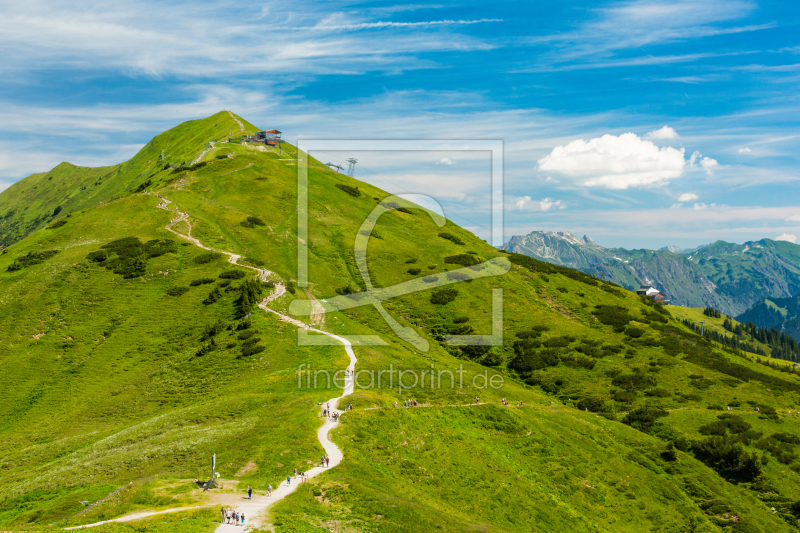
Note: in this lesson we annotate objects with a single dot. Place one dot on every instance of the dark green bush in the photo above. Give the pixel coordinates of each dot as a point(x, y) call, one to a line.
point(352, 191)
point(450, 237)
point(201, 281)
point(430, 279)
point(177, 291)
point(413, 271)
point(213, 296)
point(460, 319)
point(244, 325)
point(250, 341)
point(246, 334)
point(634, 332)
point(635, 381)
point(58, 223)
point(461, 259)
point(233, 274)
point(252, 349)
point(251, 222)
point(202, 259)
point(444, 296)
point(644, 417)
point(31, 258)
point(613, 315)
point(291, 286)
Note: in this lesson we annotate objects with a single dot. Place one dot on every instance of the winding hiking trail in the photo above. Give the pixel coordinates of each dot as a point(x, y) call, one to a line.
point(254, 508)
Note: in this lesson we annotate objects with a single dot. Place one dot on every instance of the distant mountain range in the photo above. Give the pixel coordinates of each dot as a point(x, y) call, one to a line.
point(729, 277)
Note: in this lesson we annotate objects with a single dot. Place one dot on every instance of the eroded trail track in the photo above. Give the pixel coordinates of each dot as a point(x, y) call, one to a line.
point(255, 507)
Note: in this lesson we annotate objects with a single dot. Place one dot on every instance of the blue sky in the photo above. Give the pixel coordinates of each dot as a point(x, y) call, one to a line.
point(638, 123)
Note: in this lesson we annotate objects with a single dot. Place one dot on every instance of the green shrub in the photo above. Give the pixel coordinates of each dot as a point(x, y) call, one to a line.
point(450, 237)
point(578, 361)
point(203, 259)
point(212, 330)
point(249, 293)
point(458, 276)
point(58, 223)
point(460, 319)
point(430, 279)
point(527, 359)
point(634, 332)
point(644, 417)
point(246, 334)
point(244, 325)
point(352, 191)
point(728, 458)
point(250, 341)
point(213, 296)
point(291, 286)
point(461, 259)
point(635, 381)
point(31, 258)
point(251, 222)
point(253, 261)
point(177, 291)
point(613, 315)
point(413, 271)
point(558, 342)
point(201, 281)
point(444, 296)
point(252, 350)
point(658, 393)
point(233, 274)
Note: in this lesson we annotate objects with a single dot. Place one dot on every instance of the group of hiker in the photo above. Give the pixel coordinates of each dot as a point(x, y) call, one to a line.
point(230, 516)
point(407, 403)
point(507, 403)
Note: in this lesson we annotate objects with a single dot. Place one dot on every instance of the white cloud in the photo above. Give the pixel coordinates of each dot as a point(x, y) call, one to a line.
point(688, 197)
point(701, 205)
point(445, 161)
point(708, 165)
point(744, 150)
point(664, 133)
point(794, 218)
point(615, 162)
point(787, 237)
point(546, 204)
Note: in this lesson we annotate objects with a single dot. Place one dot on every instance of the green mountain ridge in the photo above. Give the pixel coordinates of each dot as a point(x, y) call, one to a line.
point(30, 204)
point(125, 362)
point(780, 313)
point(729, 277)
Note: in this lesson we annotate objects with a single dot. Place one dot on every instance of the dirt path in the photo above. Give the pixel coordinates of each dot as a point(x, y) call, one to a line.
point(255, 507)
point(241, 126)
point(204, 152)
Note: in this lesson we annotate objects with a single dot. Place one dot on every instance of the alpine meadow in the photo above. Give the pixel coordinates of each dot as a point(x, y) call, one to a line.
point(147, 325)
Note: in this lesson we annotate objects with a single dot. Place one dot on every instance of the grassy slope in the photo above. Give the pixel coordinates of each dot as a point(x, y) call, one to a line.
point(112, 392)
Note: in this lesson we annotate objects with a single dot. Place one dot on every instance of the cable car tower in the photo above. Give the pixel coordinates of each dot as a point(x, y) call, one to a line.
point(352, 166)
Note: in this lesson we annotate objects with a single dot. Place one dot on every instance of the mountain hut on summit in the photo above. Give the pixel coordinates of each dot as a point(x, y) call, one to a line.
point(269, 137)
point(652, 293)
